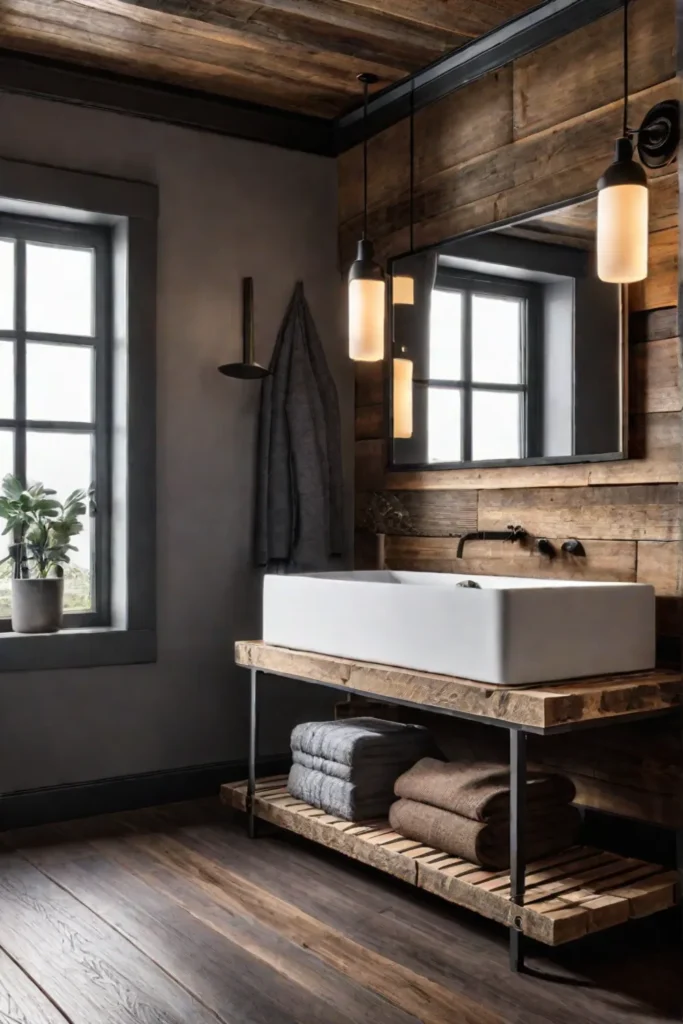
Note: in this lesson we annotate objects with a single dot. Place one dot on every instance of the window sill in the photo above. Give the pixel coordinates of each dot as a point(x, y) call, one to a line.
point(76, 648)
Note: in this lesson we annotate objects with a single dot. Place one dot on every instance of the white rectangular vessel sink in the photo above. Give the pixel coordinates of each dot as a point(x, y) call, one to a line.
point(507, 631)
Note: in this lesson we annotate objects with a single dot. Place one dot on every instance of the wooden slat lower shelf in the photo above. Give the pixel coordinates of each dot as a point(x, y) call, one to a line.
point(569, 895)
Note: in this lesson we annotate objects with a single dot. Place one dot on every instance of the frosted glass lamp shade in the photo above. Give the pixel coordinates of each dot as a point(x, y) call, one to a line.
point(623, 235)
point(403, 398)
point(403, 290)
point(623, 220)
point(367, 299)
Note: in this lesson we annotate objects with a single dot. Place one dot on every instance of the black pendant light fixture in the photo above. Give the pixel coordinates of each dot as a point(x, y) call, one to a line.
point(623, 195)
point(367, 287)
point(403, 285)
point(248, 369)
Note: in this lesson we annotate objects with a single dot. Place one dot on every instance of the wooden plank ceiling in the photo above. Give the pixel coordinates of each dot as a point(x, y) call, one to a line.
point(299, 55)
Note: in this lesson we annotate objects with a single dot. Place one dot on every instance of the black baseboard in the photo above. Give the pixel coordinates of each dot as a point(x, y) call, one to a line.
point(125, 793)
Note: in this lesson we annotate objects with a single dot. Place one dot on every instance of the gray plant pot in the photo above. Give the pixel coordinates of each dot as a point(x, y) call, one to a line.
point(37, 605)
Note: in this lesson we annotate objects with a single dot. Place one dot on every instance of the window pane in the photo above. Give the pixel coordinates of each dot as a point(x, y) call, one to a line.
point(59, 382)
point(59, 289)
point(496, 425)
point(64, 462)
point(6, 466)
point(444, 425)
point(6, 380)
point(497, 339)
point(445, 335)
point(6, 285)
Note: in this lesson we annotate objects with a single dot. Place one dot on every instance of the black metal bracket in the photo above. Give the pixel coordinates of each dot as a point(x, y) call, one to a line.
point(659, 135)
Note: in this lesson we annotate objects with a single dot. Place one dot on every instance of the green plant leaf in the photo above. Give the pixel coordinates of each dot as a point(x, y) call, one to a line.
point(12, 487)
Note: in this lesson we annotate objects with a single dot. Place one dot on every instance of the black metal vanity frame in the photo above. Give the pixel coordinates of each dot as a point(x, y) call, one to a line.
point(518, 769)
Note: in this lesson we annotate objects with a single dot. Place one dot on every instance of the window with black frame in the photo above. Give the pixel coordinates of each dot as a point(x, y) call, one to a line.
point(55, 406)
point(480, 403)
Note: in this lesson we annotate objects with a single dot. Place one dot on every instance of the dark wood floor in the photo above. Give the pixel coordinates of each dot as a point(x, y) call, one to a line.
point(172, 916)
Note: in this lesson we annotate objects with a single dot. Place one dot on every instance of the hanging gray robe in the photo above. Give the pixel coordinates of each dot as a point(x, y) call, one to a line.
point(300, 507)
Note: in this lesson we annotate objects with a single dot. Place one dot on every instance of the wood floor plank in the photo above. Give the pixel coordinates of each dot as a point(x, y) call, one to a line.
point(428, 1001)
point(21, 1001)
point(241, 971)
point(84, 966)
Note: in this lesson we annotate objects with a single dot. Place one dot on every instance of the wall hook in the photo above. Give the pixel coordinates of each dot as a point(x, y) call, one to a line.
point(574, 547)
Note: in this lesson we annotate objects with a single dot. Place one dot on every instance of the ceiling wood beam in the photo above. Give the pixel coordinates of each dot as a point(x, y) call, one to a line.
point(328, 25)
point(472, 18)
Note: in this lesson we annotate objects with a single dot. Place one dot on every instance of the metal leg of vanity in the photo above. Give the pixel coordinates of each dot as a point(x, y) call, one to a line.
point(517, 844)
point(253, 753)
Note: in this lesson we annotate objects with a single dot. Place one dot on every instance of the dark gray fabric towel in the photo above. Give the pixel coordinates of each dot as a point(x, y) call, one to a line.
point(380, 774)
point(335, 796)
point(300, 505)
point(359, 742)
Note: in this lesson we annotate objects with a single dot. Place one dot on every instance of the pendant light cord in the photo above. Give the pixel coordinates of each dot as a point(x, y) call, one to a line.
point(365, 159)
point(626, 83)
point(411, 205)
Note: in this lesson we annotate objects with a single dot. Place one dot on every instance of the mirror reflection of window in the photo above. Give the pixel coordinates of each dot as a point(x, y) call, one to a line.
point(444, 424)
point(445, 335)
point(477, 392)
point(497, 339)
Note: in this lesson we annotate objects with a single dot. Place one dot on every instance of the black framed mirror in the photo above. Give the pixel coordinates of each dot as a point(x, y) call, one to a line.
point(518, 349)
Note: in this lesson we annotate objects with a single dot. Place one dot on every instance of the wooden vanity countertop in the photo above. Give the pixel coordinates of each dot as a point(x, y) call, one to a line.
point(541, 708)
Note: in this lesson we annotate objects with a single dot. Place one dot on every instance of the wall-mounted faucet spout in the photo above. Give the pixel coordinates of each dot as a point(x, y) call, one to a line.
point(512, 534)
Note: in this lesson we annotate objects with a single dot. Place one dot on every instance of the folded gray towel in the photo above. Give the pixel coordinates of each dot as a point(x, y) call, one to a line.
point(367, 774)
point(356, 741)
point(343, 799)
point(321, 764)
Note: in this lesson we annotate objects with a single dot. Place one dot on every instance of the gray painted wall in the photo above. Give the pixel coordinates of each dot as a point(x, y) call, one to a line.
point(228, 209)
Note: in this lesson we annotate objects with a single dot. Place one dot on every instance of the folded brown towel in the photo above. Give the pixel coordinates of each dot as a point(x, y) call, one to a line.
point(483, 843)
point(479, 790)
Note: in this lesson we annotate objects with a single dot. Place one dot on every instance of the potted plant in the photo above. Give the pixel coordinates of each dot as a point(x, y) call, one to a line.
point(42, 528)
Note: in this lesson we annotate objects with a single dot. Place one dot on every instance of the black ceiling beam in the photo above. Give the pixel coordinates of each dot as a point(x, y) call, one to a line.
point(523, 34)
point(187, 108)
point(192, 108)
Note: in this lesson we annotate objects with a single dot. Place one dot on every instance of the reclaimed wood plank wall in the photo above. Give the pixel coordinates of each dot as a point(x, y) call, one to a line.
point(540, 131)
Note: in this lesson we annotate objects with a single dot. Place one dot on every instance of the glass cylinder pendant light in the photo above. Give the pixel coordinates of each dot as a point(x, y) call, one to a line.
point(403, 285)
point(623, 206)
point(367, 287)
point(403, 398)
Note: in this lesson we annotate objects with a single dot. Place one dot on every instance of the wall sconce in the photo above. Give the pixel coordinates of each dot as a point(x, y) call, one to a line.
point(623, 197)
point(248, 369)
point(367, 287)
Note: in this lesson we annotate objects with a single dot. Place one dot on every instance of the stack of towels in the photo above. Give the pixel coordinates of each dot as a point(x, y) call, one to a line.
point(463, 808)
point(349, 768)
